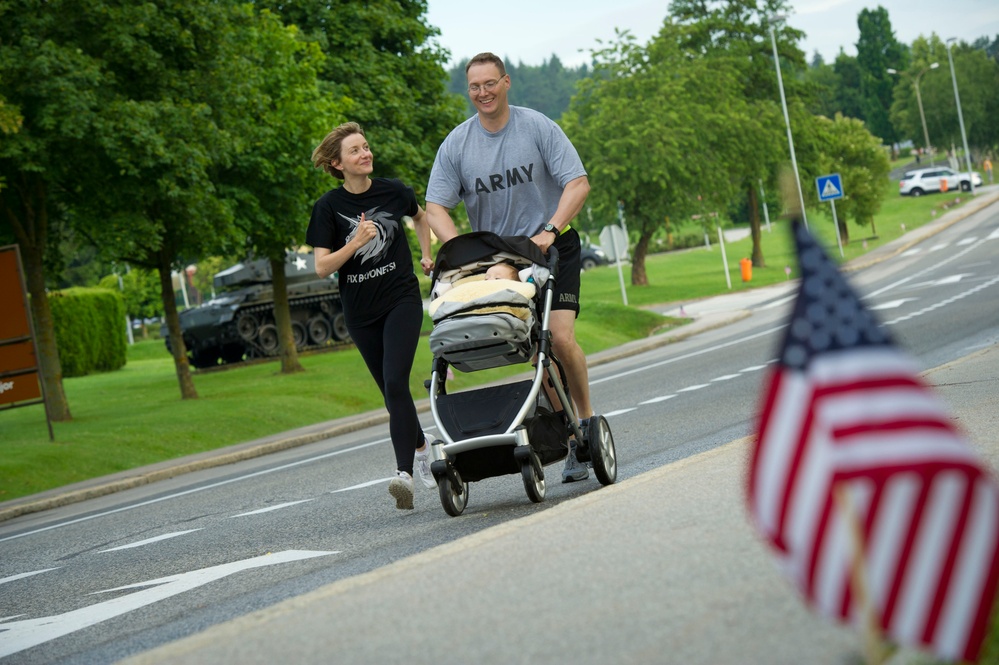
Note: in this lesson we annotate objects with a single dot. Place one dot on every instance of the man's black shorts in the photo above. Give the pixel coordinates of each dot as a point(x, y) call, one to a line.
point(567, 281)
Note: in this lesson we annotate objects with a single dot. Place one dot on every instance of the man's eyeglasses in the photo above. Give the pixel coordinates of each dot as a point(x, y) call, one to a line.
point(488, 86)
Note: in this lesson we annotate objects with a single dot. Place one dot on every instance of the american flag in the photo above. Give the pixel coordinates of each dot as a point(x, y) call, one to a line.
point(857, 459)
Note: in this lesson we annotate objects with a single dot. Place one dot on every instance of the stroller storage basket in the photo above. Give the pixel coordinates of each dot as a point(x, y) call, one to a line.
point(492, 410)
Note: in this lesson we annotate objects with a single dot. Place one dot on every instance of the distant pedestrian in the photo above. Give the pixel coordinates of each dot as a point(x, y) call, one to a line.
point(987, 165)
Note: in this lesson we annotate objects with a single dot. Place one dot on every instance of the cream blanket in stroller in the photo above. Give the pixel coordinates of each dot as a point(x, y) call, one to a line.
point(479, 324)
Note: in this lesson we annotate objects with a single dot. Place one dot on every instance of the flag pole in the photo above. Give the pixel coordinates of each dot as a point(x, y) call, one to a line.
point(875, 650)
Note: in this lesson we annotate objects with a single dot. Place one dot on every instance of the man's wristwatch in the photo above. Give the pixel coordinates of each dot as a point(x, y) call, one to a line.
point(552, 228)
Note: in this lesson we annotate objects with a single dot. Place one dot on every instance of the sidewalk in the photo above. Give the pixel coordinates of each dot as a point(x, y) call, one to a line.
point(706, 314)
point(660, 568)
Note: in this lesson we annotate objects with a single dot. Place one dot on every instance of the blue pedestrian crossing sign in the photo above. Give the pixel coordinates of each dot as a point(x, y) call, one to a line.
point(829, 187)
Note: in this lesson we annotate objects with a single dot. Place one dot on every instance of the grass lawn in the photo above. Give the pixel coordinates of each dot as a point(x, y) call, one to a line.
point(135, 416)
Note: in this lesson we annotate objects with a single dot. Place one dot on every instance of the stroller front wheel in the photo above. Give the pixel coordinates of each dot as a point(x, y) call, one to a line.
point(534, 483)
point(452, 500)
point(603, 455)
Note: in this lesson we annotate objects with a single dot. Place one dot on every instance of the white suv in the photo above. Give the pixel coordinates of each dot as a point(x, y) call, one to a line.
point(923, 181)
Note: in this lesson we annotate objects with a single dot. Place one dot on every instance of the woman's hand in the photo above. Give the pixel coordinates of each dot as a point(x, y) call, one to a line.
point(427, 264)
point(366, 231)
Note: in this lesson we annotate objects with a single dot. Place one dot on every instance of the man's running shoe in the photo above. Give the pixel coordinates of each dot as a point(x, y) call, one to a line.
point(421, 464)
point(573, 470)
point(401, 489)
point(583, 450)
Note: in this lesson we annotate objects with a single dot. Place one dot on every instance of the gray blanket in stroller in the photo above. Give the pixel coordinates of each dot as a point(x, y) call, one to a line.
point(484, 324)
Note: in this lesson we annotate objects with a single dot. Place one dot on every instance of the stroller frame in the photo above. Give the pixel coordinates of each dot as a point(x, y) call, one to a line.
point(504, 444)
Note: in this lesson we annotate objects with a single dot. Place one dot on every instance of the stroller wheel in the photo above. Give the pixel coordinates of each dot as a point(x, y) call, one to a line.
point(534, 483)
point(454, 502)
point(603, 456)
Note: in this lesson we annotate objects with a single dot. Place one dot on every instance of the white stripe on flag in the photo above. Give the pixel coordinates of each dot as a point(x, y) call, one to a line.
point(927, 558)
point(774, 463)
point(971, 570)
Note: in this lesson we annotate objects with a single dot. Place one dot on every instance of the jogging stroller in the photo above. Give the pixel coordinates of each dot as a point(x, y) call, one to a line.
point(481, 324)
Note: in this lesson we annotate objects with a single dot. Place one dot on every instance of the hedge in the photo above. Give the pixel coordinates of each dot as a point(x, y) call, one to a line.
point(89, 330)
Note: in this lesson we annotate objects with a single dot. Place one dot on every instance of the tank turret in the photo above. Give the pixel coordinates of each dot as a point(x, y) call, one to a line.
point(238, 323)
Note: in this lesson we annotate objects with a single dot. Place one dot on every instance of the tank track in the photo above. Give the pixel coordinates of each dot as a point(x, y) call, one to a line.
point(264, 316)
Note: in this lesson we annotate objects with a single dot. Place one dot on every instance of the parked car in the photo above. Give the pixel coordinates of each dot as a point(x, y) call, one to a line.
point(591, 256)
point(924, 181)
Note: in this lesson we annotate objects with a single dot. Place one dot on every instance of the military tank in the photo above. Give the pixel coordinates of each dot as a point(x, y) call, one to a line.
point(238, 323)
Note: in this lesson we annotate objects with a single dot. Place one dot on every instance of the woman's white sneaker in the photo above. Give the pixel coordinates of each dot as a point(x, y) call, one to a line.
point(401, 489)
point(421, 464)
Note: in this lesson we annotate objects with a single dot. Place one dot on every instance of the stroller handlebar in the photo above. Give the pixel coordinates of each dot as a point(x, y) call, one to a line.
point(553, 261)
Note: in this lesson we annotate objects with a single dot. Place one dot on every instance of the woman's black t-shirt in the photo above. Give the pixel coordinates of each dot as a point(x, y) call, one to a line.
point(380, 275)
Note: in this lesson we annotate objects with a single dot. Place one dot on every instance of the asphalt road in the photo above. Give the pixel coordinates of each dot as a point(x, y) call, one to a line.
point(640, 570)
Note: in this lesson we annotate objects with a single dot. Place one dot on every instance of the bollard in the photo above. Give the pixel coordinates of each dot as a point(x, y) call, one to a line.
point(746, 267)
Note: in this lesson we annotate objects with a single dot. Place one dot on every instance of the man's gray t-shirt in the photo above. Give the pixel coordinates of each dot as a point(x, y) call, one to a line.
point(510, 181)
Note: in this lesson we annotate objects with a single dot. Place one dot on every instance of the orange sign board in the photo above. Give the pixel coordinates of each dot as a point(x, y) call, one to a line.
point(14, 322)
point(18, 356)
point(20, 388)
point(20, 378)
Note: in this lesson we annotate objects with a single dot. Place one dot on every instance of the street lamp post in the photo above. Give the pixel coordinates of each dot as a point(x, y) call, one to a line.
point(919, 101)
point(787, 120)
point(960, 117)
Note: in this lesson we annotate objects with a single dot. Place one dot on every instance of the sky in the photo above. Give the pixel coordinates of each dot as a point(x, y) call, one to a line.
point(530, 31)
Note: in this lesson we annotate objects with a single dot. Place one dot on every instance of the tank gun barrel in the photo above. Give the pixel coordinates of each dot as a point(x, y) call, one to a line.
point(297, 268)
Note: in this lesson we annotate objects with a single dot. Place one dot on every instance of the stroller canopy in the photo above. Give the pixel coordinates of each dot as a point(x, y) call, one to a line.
point(482, 246)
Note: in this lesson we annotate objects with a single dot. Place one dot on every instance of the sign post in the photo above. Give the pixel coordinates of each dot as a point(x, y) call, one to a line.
point(831, 188)
point(20, 377)
point(619, 252)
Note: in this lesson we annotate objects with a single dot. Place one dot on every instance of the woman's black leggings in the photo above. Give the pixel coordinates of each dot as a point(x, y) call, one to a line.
point(388, 347)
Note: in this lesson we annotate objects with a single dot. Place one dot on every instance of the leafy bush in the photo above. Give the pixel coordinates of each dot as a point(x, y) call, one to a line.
point(90, 330)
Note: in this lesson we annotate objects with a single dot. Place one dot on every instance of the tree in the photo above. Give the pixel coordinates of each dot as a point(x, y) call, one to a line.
point(860, 159)
point(653, 125)
point(272, 181)
point(848, 100)
point(380, 55)
point(740, 30)
point(877, 50)
point(904, 114)
point(978, 85)
point(143, 98)
point(140, 290)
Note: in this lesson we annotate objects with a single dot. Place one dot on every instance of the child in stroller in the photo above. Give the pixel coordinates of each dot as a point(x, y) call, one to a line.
point(490, 320)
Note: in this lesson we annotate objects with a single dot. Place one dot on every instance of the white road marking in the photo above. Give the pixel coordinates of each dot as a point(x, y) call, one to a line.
point(21, 576)
point(689, 389)
point(966, 241)
point(925, 270)
point(754, 368)
point(911, 252)
point(944, 303)
point(618, 412)
point(994, 235)
point(270, 508)
point(726, 377)
point(147, 541)
point(891, 304)
point(778, 303)
point(194, 490)
point(20, 635)
point(367, 484)
point(693, 354)
point(952, 279)
point(934, 248)
point(661, 398)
